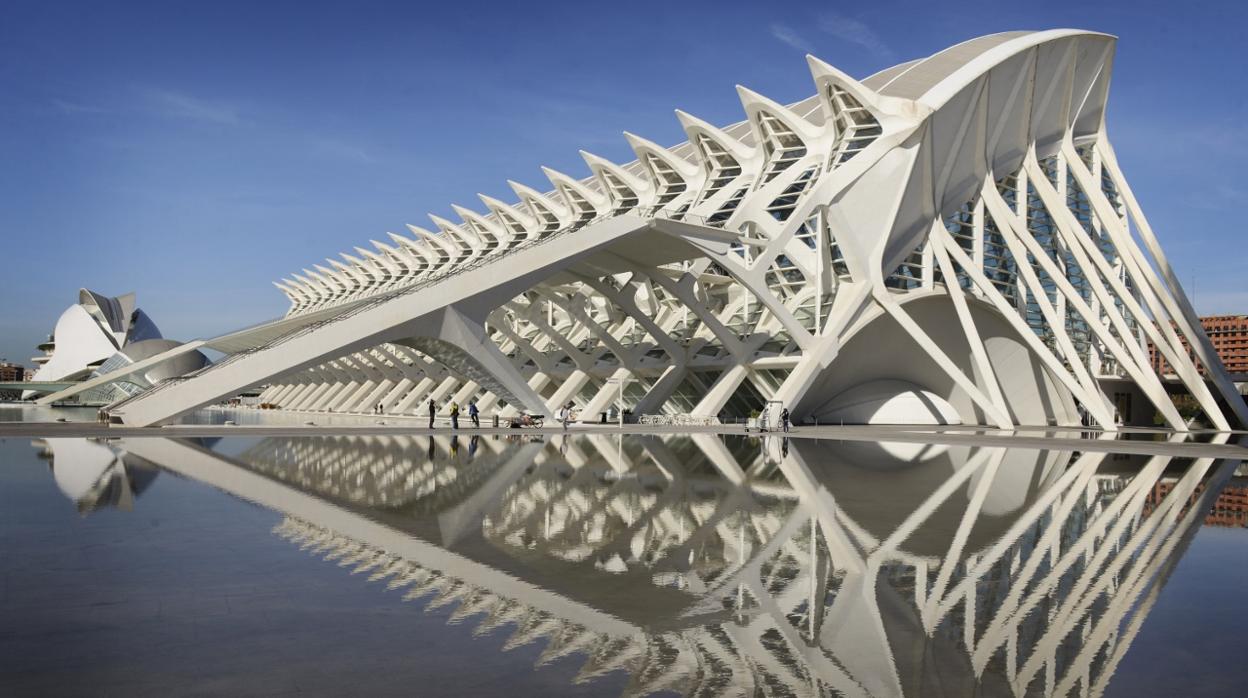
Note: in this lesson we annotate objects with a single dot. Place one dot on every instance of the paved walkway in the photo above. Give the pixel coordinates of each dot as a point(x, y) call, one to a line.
point(1205, 444)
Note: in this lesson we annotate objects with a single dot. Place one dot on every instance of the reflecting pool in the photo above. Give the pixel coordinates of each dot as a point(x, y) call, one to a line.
point(594, 564)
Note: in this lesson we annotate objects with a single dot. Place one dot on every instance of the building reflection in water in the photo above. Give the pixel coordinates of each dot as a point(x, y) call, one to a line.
point(94, 475)
point(711, 566)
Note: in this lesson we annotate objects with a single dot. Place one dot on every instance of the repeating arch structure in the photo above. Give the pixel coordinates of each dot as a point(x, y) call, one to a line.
point(957, 226)
point(702, 566)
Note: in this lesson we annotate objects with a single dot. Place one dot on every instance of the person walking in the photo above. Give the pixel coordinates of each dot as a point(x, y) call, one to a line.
point(565, 415)
point(475, 414)
point(784, 419)
point(454, 415)
point(433, 410)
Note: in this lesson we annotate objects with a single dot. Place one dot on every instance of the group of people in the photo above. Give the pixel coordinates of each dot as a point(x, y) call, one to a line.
point(785, 421)
point(565, 415)
point(474, 413)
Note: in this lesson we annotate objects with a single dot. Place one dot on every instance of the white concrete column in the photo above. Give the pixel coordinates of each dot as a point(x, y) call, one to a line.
point(297, 396)
point(358, 372)
point(417, 397)
point(351, 400)
point(461, 396)
point(374, 396)
point(606, 396)
point(570, 387)
point(354, 401)
point(721, 390)
point(279, 398)
point(395, 393)
point(314, 393)
point(486, 402)
point(444, 389)
point(652, 401)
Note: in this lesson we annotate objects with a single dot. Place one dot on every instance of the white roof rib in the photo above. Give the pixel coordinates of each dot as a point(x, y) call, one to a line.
point(919, 76)
point(934, 77)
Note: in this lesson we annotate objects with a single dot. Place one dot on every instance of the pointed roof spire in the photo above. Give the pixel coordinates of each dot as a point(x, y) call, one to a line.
point(755, 103)
point(694, 127)
point(642, 147)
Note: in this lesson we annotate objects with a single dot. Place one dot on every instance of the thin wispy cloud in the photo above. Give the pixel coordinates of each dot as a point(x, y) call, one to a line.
point(1220, 197)
point(1232, 194)
point(854, 32)
point(67, 107)
point(179, 105)
point(786, 35)
point(1226, 135)
point(559, 117)
point(341, 150)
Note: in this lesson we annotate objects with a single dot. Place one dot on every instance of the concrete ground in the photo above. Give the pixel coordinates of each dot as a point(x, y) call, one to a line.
point(1206, 444)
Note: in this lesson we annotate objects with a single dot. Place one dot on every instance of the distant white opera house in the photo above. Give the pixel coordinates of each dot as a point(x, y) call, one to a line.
point(800, 257)
point(99, 335)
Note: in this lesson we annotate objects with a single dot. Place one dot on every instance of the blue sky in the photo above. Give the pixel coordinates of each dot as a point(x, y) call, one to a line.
point(195, 152)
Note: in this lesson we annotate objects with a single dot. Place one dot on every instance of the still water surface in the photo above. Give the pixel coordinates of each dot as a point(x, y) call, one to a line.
point(591, 565)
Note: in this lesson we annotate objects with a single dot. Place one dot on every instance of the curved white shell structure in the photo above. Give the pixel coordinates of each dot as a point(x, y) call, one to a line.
point(88, 333)
point(888, 402)
point(965, 210)
point(100, 333)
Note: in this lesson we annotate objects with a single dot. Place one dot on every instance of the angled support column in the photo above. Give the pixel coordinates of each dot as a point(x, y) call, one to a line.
point(442, 391)
point(849, 303)
point(284, 392)
point(570, 388)
point(373, 398)
point(296, 399)
point(1159, 299)
point(468, 390)
point(415, 383)
point(1090, 397)
point(415, 397)
point(369, 365)
point(438, 314)
point(462, 345)
point(1021, 243)
point(984, 375)
point(991, 411)
point(309, 400)
point(662, 389)
point(722, 390)
point(365, 376)
point(607, 395)
point(342, 380)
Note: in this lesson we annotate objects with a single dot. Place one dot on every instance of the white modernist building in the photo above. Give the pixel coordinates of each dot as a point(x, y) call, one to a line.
point(100, 334)
point(948, 240)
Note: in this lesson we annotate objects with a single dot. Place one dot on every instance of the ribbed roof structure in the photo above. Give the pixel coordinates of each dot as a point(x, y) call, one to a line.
point(949, 240)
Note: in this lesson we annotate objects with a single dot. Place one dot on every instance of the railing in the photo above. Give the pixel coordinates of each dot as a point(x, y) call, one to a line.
point(678, 420)
point(650, 212)
point(677, 214)
point(418, 285)
point(120, 403)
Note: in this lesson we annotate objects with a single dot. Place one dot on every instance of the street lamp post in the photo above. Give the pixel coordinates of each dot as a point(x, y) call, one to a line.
point(620, 399)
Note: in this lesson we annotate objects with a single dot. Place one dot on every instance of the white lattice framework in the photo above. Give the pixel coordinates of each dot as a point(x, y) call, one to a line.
point(804, 255)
